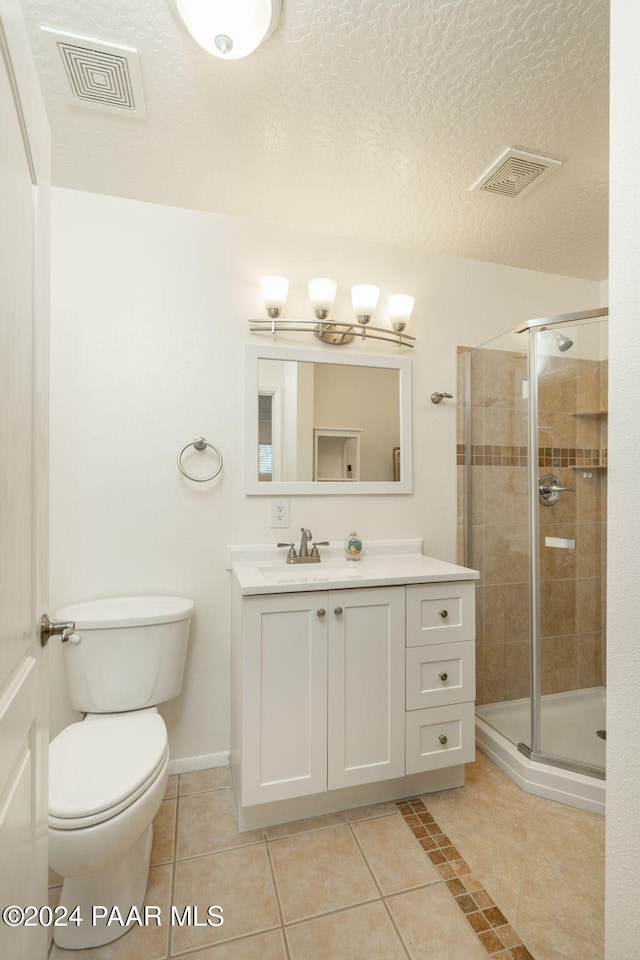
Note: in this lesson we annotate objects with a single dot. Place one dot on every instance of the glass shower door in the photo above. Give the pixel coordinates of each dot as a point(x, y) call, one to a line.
point(568, 427)
point(494, 528)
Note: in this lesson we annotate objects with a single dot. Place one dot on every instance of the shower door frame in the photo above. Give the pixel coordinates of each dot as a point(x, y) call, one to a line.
point(534, 751)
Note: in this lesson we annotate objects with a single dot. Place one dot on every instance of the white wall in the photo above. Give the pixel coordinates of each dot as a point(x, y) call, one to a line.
point(149, 320)
point(623, 613)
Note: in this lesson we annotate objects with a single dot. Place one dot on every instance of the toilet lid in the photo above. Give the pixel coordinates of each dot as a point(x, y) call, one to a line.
point(101, 765)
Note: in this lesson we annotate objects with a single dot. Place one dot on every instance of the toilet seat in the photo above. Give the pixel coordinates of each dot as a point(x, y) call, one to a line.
point(100, 766)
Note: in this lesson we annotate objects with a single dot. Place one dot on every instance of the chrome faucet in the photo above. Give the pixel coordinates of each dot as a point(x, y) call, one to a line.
point(305, 556)
point(304, 540)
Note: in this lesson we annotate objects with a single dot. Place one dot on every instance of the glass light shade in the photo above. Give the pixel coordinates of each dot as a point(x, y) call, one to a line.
point(322, 293)
point(229, 29)
point(399, 310)
point(364, 299)
point(274, 293)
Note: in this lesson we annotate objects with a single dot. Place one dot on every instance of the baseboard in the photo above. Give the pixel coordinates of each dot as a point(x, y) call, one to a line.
point(203, 762)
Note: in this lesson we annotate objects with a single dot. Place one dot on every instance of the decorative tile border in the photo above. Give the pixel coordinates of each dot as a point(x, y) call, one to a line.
point(487, 921)
point(492, 455)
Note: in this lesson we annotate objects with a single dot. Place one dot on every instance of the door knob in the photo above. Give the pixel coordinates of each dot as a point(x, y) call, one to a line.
point(444, 614)
point(322, 613)
point(443, 739)
point(444, 677)
point(338, 611)
point(50, 629)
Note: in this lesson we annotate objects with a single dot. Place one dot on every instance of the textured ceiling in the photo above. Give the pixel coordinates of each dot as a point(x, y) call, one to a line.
point(369, 118)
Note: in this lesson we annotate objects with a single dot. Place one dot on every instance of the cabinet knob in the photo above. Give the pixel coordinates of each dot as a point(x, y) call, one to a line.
point(442, 738)
point(444, 677)
point(338, 611)
point(322, 613)
point(444, 614)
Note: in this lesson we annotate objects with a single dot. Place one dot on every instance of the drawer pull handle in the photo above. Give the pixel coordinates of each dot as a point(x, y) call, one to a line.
point(338, 611)
point(444, 677)
point(322, 613)
point(444, 614)
point(443, 739)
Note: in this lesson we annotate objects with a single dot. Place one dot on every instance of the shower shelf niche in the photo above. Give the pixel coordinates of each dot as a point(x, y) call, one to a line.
point(591, 413)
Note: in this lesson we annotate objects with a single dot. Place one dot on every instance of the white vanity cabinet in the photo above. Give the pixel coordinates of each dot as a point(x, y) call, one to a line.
point(322, 691)
point(351, 683)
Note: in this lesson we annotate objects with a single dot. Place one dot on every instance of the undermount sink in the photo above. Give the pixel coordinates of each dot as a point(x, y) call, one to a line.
point(309, 572)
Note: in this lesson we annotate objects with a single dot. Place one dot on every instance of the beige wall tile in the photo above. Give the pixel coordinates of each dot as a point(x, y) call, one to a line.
point(506, 553)
point(559, 664)
point(557, 607)
point(590, 659)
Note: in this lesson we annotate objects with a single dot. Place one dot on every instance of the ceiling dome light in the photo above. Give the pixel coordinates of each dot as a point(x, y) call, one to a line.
point(229, 29)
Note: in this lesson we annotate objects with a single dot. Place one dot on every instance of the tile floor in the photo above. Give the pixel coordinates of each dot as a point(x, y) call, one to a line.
point(513, 877)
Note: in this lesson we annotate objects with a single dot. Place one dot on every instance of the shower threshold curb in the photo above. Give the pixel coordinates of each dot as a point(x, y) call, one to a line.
point(552, 783)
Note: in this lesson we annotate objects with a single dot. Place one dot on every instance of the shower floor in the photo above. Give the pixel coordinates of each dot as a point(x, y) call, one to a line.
point(570, 722)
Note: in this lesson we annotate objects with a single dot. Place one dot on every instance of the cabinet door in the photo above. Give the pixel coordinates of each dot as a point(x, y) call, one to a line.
point(366, 685)
point(284, 696)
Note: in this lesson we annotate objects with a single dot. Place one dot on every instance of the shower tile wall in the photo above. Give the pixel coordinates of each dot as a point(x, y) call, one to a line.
point(573, 448)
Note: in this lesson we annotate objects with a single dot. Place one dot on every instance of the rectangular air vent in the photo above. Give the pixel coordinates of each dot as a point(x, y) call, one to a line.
point(516, 172)
point(96, 74)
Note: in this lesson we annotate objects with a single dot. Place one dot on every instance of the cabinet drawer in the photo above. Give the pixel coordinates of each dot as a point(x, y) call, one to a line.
point(440, 673)
point(440, 612)
point(440, 737)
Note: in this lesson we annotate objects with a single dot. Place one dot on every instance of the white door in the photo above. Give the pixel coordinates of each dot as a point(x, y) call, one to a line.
point(284, 696)
point(366, 685)
point(24, 179)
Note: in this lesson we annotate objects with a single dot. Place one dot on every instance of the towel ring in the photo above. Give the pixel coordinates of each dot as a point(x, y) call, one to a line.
point(200, 444)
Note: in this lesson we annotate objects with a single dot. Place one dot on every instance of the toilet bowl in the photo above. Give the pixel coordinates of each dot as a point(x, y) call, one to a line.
point(108, 773)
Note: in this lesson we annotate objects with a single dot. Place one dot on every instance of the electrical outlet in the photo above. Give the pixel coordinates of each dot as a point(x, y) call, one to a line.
point(279, 513)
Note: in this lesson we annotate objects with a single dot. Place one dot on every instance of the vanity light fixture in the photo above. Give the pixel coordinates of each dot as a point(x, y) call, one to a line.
point(337, 333)
point(322, 293)
point(399, 309)
point(274, 293)
point(229, 29)
point(364, 300)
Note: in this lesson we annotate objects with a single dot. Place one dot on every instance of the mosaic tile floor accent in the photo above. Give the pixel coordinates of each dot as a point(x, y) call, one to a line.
point(491, 927)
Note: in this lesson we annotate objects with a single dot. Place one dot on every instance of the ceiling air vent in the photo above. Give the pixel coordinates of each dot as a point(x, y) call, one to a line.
point(516, 172)
point(95, 74)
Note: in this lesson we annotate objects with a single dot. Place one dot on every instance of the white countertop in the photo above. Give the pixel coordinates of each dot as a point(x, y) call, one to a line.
point(263, 569)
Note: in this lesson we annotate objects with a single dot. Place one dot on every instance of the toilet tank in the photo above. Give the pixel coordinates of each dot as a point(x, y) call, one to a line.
point(127, 652)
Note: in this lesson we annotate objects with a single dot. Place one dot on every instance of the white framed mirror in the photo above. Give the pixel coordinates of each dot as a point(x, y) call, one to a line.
point(317, 424)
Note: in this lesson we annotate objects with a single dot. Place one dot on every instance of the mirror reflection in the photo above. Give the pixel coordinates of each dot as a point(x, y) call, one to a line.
point(327, 422)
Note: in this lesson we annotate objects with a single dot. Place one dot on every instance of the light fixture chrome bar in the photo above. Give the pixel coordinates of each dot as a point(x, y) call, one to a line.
point(290, 325)
point(562, 318)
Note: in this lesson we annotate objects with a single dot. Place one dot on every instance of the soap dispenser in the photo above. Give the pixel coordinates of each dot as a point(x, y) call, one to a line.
point(353, 546)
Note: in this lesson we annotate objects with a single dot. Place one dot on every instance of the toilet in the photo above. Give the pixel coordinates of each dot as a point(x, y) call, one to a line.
point(108, 773)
